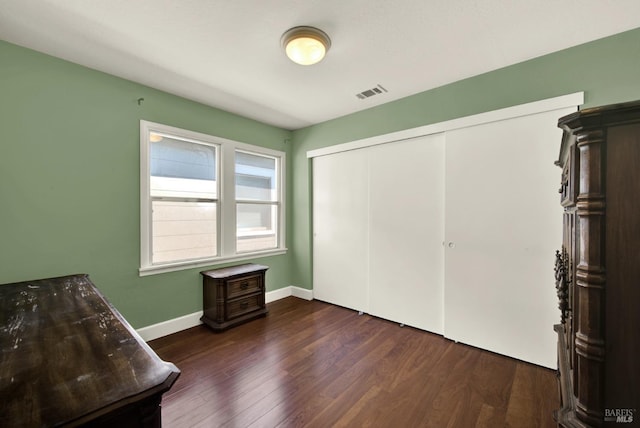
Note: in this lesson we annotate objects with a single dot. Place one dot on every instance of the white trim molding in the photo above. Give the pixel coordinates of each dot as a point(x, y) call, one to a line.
point(171, 326)
point(301, 293)
point(184, 322)
point(549, 104)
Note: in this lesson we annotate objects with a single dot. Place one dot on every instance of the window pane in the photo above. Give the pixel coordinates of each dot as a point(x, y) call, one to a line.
point(257, 227)
point(256, 178)
point(181, 168)
point(183, 230)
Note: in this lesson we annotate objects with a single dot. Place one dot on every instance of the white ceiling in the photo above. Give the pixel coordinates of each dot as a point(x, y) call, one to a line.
point(227, 54)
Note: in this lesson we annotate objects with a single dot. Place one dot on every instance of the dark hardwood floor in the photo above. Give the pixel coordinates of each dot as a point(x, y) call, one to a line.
point(312, 364)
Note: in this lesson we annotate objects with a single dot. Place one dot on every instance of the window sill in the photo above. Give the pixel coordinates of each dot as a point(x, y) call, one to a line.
point(172, 267)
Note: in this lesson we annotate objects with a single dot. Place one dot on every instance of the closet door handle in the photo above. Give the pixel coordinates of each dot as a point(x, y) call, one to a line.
point(451, 244)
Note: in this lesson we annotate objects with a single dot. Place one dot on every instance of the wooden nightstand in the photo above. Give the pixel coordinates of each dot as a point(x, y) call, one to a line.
point(233, 295)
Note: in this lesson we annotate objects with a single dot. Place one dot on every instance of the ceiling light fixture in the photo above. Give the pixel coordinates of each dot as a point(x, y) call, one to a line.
point(305, 45)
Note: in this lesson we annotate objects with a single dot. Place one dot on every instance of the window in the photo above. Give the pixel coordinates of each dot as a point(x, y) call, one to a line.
point(206, 199)
point(256, 202)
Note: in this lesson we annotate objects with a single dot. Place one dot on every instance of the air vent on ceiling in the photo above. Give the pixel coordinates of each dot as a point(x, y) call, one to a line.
point(371, 92)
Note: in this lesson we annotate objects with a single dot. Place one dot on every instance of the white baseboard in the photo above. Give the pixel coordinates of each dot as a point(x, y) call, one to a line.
point(280, 293)
point(171, 326)
point(301, 293)
point(184, 322)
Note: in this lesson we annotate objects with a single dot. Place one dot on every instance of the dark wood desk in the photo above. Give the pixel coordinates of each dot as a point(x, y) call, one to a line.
point(68, 358)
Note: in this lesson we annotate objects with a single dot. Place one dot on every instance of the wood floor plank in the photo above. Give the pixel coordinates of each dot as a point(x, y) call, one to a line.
point(312, 364)
point(529, 386)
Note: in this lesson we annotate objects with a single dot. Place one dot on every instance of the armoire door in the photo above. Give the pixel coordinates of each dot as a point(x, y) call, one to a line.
point(502, 228)
point(406, 230)
point(340, 229)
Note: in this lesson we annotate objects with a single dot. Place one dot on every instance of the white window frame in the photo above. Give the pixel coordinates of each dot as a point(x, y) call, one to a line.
point(275, 221)
point(226, 211)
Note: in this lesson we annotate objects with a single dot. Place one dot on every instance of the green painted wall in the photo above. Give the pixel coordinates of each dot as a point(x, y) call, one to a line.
point(69, 180)
point(69, 160)
point(607, 70)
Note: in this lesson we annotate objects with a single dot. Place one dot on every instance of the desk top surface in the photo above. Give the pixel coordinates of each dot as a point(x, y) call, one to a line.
point(68, 356)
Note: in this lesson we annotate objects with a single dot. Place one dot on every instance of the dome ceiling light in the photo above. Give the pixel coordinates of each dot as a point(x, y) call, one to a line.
point(305, 45)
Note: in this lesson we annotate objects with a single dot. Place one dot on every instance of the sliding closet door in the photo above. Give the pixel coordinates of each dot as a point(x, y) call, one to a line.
point(406, 230)
point(502, 227)
point(340, 229)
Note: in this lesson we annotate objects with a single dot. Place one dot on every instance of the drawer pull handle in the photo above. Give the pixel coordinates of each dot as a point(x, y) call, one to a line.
point(244, 285)
point(244, 305)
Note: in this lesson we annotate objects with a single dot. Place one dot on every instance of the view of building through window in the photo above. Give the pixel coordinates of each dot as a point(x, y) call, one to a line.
point(191, 215)
point(256, 202)
point(184, 193)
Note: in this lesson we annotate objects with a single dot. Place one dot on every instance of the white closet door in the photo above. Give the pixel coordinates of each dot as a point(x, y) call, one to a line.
point(406, 230)
point(340, 229)
point(503, 225)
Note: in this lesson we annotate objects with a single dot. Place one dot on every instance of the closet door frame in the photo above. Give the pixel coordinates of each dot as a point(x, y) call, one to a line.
point(557, 103)
point(569, 100)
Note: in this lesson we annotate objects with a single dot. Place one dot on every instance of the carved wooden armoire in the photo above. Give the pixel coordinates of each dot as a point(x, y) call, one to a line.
point(598, 268)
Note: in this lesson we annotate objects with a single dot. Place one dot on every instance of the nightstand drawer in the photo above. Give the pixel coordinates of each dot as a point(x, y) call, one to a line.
point(240, 307)
point(243, 286)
